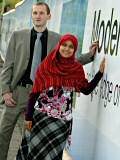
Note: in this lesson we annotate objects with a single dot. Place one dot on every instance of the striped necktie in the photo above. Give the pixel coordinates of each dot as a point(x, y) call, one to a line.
point(36, 56)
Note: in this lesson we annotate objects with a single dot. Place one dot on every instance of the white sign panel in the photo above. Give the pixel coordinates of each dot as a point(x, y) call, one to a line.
point(97, 116)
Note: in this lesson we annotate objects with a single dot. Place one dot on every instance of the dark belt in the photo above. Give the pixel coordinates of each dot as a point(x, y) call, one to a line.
point(23, 84)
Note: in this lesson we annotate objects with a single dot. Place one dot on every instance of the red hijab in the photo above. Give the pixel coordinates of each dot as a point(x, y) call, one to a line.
point(57, 71)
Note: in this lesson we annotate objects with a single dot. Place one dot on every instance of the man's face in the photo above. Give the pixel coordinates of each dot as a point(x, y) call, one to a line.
point(40, 15)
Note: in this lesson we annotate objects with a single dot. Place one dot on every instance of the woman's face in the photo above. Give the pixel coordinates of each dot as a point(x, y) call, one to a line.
point(66, 49)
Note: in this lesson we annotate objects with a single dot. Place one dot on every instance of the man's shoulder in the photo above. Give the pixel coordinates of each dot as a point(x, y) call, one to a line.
point(52, 33)
point(23, 31)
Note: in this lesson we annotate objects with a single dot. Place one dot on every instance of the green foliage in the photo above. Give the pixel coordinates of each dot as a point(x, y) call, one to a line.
point(12, 2)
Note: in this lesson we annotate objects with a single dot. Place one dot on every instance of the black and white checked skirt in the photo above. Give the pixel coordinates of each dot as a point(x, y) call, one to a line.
point(47, 139)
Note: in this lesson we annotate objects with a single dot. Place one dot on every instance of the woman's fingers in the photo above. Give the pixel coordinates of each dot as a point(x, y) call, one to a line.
point(28, 125)
point(102, 65)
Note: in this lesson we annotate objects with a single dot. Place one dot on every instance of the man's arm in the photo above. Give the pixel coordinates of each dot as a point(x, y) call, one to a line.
point(7, 70)
point(88, 57)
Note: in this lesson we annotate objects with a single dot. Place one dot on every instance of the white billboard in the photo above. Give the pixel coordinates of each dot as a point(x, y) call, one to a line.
point(97, 116)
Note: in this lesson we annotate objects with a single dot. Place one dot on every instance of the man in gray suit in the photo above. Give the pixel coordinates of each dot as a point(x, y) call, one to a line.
point(15, 76)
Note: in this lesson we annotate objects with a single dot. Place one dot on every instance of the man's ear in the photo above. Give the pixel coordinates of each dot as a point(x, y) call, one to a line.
point(49, 16)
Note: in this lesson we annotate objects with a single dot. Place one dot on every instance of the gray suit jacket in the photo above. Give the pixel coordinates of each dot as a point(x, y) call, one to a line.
point(17, 57)
point(18, 54)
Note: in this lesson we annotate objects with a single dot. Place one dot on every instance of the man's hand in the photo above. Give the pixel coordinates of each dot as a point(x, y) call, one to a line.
point(28, 125)
point(93, 48)
point(9, 101)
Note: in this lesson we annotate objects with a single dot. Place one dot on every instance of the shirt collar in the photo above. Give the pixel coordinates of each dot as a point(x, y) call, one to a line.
point(44, 33)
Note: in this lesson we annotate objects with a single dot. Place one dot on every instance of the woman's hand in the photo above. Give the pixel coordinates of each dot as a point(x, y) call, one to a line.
point(28, 125)
point(102, 66)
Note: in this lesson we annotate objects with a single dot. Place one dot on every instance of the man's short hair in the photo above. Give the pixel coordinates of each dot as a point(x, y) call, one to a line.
point(44, 4)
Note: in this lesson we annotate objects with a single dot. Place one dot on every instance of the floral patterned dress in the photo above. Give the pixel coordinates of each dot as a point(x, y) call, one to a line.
point(56, 103)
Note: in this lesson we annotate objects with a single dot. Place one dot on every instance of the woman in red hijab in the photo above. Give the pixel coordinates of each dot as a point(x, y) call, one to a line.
point(49, 110)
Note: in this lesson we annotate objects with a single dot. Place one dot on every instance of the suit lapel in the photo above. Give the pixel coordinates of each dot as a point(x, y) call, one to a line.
point(51, 42)
point(48, 42)
point(28, 42)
